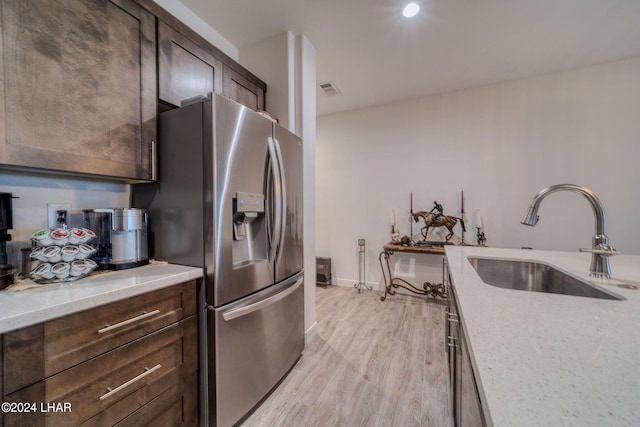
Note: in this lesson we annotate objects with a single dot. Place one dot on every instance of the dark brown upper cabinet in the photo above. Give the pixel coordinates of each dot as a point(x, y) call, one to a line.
point(189, 66)
point(185, 70)
point(78, 80)
point(242, 90)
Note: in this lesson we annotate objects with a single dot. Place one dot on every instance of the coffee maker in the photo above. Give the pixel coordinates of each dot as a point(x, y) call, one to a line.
point(6, 223)
point(121, 237)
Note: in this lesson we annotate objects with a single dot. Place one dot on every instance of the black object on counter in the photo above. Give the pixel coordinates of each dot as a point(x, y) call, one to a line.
point(6, 223)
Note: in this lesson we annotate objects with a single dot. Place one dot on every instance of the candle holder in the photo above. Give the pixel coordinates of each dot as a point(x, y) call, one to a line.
point(480, 237)
point(361, 268)
point(395, 234)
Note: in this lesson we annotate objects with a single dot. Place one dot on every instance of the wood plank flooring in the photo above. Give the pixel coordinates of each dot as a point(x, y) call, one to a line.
point(373, 363)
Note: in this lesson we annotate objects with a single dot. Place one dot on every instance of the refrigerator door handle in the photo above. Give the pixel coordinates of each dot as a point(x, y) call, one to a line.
point(248, 309)
point(283, 198)
point(277, 182)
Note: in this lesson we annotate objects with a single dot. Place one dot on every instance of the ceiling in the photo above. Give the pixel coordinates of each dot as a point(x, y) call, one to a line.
point(375, 56)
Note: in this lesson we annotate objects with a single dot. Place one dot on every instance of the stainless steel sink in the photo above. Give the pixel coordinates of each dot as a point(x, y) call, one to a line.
point(535, 276)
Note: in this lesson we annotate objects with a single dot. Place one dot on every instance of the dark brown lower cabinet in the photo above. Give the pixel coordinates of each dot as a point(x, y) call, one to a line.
point(151, 379)
point(466, 405)
point(470, 411)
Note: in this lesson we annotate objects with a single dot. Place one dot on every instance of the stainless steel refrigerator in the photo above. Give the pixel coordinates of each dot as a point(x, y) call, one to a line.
point(229, 199)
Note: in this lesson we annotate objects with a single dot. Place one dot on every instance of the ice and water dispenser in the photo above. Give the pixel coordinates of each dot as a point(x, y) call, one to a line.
point(249, 234)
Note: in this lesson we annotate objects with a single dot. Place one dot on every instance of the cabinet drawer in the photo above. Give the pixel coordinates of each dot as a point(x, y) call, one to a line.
point(115, 384)
point(37, 352)
point(178, 406)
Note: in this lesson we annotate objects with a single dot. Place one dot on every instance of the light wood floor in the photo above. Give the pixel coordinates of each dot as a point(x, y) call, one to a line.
point(373, 363)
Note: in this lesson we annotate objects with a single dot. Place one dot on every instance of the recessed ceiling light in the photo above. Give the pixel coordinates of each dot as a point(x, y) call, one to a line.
point(411, 10)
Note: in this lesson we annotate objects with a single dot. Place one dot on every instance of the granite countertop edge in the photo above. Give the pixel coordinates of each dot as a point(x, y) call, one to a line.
point(19, 309)
point(546, 359)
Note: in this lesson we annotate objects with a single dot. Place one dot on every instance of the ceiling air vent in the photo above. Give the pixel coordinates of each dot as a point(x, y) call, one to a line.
point(329, 88)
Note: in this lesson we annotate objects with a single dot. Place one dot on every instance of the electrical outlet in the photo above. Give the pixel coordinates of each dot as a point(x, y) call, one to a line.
point(52, 213)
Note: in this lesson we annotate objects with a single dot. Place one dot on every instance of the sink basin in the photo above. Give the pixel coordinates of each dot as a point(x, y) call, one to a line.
point(535, 276)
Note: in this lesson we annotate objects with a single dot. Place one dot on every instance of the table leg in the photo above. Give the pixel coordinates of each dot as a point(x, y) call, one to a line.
point(390, 283)
point(385, 274)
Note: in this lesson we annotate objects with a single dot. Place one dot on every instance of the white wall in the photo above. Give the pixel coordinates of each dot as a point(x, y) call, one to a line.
point(305, 69)
point(500, 144)
point(273, 61)
point(189, 18)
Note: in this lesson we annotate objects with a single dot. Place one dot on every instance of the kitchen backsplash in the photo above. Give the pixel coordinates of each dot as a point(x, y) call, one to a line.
point(32, 193)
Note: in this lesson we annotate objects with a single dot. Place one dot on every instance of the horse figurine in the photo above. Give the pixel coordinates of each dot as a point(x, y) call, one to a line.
point(433, 220)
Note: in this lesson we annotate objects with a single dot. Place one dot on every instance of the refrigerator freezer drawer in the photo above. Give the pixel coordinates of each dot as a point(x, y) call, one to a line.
point(257, 341)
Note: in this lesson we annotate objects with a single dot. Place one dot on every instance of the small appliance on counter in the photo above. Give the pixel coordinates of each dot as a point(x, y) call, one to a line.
point(121, 237)
point(6, 223)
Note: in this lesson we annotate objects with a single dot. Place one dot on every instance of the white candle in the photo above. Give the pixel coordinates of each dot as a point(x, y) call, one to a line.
point(478, 219)
point(393, 217)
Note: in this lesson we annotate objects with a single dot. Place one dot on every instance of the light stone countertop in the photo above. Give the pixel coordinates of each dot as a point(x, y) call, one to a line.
point(552, 360)
point(31, 306)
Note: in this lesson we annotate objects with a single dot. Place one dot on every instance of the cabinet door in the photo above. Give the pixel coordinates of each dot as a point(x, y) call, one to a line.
point(452, 347)
point(470, 406)
point(241, 90)
point(1, 376)
point(78, 80)
point(465, 401)
point(185, 69)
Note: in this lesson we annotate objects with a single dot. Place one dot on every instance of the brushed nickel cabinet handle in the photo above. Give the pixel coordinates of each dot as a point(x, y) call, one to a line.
point(147, 371)
point(154, 162)
point(128, 321)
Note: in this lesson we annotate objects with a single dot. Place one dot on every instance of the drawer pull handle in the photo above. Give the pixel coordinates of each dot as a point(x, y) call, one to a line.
point(452, 342)
point(128, 321)
point(146, 372)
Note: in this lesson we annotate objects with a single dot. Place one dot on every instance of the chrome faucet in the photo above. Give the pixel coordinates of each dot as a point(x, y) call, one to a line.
point(600, 248)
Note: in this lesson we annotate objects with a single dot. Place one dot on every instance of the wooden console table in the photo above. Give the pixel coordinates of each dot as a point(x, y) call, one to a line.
point(391, 283)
